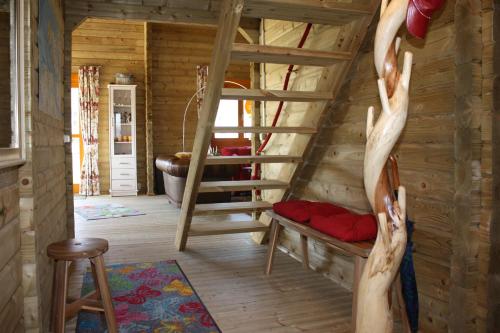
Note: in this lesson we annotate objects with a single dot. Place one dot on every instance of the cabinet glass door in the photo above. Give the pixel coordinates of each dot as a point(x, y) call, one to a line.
point(122, 122)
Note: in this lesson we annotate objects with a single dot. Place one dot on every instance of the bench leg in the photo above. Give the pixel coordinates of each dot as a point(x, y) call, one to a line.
point(305, 252)
point(273, 243)
point(359, 264)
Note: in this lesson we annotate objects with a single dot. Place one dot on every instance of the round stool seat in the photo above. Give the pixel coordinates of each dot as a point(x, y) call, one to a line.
point(81, 248)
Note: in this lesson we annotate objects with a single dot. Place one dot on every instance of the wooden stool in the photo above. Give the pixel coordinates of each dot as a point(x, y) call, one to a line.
point(64, 253)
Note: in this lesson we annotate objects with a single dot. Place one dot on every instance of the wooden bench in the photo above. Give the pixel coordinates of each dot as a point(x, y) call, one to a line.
point(359, 250)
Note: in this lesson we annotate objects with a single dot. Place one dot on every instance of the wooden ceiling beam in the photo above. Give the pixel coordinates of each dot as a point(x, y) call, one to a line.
point(197, 13)
point(206, 12)
point(310, 11)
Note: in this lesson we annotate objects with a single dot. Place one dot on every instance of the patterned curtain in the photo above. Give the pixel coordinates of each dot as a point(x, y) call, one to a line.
point(88, 77)
point(201, 81)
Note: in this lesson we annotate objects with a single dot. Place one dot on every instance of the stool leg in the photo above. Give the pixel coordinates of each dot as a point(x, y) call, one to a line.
point(60, 292)
point(107, 303)
point(305, 252)
point(96, 283)
point(53, 309)
point(273, 243)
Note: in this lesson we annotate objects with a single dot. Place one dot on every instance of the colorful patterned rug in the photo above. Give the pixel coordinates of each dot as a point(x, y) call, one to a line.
point(149, 298)
point(105, 211)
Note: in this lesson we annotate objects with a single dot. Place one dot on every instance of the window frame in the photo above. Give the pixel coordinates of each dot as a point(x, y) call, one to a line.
point(16, 155)
point(240, 141)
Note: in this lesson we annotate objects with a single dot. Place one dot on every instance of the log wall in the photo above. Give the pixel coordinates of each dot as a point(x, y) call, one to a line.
point(176, 51)
point(42, 179)
point(442, 151)
point(488, 292)
point(118, 47)
point(11, 293)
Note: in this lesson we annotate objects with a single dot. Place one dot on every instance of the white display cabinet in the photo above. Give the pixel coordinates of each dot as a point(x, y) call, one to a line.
point(122, 138)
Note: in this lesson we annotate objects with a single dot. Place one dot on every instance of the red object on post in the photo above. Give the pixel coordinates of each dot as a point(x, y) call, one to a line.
point(419, 15)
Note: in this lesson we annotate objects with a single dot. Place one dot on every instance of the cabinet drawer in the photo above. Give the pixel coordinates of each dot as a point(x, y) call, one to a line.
point(124, 185)
point(123, 174)
point(124, 163)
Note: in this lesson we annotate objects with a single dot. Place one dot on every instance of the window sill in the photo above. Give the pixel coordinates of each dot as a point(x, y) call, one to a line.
point(13, 163)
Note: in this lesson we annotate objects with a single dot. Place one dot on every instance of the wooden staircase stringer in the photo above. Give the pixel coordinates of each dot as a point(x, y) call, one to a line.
point(229, 19)
point(331, 80)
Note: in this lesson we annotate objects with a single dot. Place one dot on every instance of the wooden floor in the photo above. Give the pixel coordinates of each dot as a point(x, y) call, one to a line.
point(226, 271)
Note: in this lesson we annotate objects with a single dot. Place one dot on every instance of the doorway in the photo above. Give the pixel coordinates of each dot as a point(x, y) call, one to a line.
point(76, 135)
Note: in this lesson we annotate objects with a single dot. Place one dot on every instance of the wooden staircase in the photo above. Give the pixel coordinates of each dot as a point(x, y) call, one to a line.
point(354, 17)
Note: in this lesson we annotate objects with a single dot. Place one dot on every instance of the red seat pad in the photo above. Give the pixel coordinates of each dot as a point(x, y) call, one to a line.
point(302, 210)
point(238, 151)
point(296, 210)
point(346, 227)
point(326, 209)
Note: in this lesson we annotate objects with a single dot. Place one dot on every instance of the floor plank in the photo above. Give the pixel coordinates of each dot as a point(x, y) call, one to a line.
point(227, 271)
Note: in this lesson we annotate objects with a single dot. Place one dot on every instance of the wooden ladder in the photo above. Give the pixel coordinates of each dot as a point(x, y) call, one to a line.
point(336, 66)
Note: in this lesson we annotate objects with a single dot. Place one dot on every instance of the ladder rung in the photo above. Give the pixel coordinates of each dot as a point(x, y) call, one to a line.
point(275, 95)
point(213, 160)
point(286, 55)
point(226, 227)
point(241, 185)
point(277, 129)
point(231, 207)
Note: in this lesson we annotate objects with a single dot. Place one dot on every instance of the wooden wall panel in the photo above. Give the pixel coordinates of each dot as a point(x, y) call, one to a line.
point(425, 152)
point(467, 199)
point(48, 156)
point(488, 293)
point(176, 51)
point(118, 47)
point(11, 297)
point(42, 179)
point(5, 106)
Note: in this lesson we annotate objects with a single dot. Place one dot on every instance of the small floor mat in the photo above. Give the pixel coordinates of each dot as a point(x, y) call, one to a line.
point(149, 298)
point(105, 211)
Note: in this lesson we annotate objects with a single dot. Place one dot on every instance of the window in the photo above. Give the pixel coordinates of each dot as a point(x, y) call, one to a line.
point(231, 114)
point(227, 116)
point(11, 92)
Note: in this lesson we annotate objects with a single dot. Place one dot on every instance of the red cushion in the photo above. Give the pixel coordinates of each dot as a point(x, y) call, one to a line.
point(238, 151)
point(346, 227)
point(326, 209)
point(302, 210)
point(296, 210)
point(229, 151)
point(244, 151)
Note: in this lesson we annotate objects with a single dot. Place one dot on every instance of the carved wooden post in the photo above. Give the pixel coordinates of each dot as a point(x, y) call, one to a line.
point(373, 313)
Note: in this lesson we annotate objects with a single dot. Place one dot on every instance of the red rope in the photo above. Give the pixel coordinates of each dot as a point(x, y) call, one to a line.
point(280, 106)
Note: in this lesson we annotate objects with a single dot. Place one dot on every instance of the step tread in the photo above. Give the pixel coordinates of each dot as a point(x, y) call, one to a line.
point(275, 95)
point(226, 227)
point(241, 185)
point(231, 207)
point(286, 55)
point(213, 160)
point(277, 129)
